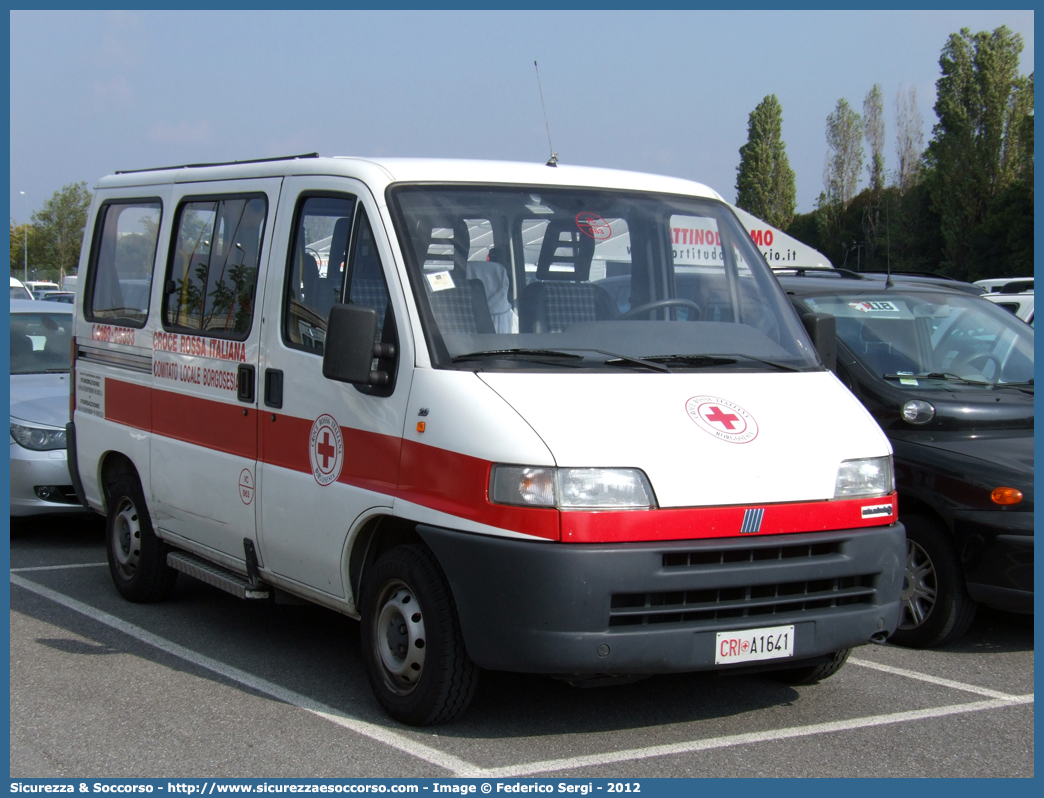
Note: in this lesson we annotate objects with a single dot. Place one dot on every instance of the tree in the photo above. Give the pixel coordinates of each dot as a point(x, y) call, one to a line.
point(844, 134)
point(764, 180)
point(874, 133)
point(18, 240)
point(909, 139)
point(977, 151)
point(59, 228)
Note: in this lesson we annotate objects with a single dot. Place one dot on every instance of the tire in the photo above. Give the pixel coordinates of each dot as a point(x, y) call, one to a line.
point(412, 645)
point(137, 558)
point(936, 609)
point(814, 673)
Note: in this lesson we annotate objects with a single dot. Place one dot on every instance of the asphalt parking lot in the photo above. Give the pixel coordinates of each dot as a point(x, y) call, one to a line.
point(207, 685)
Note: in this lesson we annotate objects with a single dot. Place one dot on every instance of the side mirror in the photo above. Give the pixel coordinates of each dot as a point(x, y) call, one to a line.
point(822, 329)
point(350, 349)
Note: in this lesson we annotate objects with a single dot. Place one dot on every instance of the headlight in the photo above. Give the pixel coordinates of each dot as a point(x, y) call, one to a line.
point(39, 439)
point(917, 411)
point(571, 488)
point(868, 477)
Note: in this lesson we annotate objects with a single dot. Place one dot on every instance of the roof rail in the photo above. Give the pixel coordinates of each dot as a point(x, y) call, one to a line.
point(218, 163)
point(818, 271)
point(927, 275)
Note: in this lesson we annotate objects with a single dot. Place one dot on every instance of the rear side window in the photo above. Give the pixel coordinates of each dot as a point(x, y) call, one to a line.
point(124, 254)
point(212, 278)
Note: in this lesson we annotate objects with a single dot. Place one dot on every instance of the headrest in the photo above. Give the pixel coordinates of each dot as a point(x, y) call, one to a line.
point(565, 244)
point(446, 244)
point(338, 245)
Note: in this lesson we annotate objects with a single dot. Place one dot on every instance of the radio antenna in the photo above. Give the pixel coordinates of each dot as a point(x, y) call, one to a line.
point(553, 160)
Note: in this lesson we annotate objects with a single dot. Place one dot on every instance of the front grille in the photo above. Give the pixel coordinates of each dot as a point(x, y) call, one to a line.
point(681, 559)
point(632, 609)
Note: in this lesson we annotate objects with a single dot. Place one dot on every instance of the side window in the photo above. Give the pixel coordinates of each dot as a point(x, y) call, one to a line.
point(212, 276)
point(368, 287)
point(316, 268)
point(126, 235)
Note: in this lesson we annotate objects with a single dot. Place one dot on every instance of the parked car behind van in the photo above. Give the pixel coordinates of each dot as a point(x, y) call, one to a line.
point(340, 378)
point(950, 379)
point(40, 336)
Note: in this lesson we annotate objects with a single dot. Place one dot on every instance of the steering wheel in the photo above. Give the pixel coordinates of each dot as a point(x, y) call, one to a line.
point(985, 358)
point(664, 303)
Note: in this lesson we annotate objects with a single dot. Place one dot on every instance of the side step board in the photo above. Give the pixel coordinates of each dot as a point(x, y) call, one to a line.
point(216, 576)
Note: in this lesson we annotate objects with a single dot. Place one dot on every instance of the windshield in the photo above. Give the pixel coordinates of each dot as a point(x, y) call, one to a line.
point(40, 342)
point(542, 278)
point(909, 337)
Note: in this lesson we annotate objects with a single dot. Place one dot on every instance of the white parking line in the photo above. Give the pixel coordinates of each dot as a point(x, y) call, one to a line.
point(379, 733)
point(59, 567)
point(924, 677)
point(729, 741)
point(464, 769)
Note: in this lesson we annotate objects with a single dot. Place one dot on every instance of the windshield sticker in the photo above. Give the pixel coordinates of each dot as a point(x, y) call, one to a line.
point(440, 281)
point(725, 420)
point(593, 226)
point(326, 449)
point(906, 378)
point(866, 307)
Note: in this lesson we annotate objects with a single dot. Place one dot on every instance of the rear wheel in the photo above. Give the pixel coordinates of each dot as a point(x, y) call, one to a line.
point(412, 644)
point(137, 558)
point(810, 674)
point(936, 608)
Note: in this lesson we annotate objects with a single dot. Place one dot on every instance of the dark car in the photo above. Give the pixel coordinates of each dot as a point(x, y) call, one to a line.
point(949, 377)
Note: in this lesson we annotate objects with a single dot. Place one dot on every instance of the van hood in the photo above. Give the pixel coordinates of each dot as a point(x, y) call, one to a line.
point(702, 439)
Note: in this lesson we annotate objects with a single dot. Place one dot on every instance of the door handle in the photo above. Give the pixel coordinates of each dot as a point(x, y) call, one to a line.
point(245, 383)
point(273, 388)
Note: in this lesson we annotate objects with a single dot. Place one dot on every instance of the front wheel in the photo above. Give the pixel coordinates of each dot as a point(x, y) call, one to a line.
point(412, 645)
point(935, 607)
point(137, 558)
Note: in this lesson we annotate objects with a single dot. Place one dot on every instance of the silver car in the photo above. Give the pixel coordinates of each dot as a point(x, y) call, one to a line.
point(40, 338)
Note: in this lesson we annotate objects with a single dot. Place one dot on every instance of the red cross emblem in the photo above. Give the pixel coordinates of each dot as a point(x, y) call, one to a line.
point(326, 450)
point(722, 418)
point(718, 416)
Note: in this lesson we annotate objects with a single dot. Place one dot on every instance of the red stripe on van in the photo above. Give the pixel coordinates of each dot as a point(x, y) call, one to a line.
point(128, 403)
point(457, 484)
point(222, 426)
point(452, 482)
point(693, 523)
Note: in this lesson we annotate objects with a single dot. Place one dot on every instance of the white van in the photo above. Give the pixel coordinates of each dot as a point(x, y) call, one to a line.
point(334, 378)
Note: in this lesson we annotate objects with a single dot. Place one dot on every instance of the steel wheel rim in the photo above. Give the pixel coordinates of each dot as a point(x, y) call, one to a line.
point(126, 544)
point(920, 587)
point(398, 637)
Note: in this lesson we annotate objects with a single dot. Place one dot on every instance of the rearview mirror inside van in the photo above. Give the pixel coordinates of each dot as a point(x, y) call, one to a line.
point(351, 335)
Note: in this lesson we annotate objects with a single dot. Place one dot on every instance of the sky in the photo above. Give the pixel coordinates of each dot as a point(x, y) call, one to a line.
point(668, 92)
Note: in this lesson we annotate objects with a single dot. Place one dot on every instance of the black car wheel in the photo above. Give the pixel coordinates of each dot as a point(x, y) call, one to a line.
point(137, 558)
point(413, 649)
point(936, 608)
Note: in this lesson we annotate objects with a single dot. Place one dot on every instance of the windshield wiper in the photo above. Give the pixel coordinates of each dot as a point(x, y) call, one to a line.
point(708, 361)
point(495, 353)
point(615, 359)
point(938, 375)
